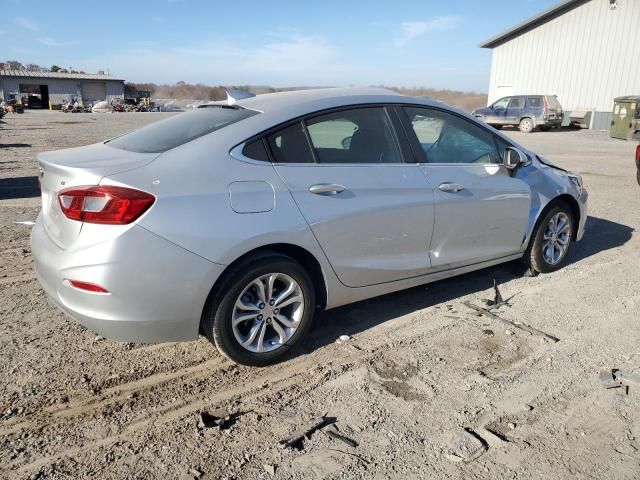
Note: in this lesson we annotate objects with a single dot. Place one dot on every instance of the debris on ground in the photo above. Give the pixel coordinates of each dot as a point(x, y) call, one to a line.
point(220, 418)
point(296, 439)
point(9, 402)
point(466, 446)
point(519, 325)
point(270, 469)
point(615, 378)
point(332, 432)
point(497, 296)
point(493, 438)
point(343, 338)
point(498, 301)
point(488, 332)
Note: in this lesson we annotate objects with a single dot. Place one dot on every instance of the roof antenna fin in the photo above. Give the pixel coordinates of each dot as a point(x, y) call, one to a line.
point(234, 95)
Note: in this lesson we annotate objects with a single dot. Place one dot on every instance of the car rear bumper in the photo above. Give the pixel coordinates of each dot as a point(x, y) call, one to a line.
point(157, 290)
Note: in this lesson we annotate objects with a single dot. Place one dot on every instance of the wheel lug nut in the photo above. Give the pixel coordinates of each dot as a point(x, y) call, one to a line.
point(272, 302)
point(261, 306)
point(268, 319)
point(276, 311)
point(260, 317)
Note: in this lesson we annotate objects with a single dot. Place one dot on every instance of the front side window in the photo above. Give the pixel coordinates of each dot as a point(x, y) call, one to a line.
point(361, 135)
point(447, 138)
point(179, 129)
point(501, 104)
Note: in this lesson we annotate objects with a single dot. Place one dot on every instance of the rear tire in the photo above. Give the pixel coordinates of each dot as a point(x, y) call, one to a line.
point(268, 333)
point(526, 125)
point(551, 239)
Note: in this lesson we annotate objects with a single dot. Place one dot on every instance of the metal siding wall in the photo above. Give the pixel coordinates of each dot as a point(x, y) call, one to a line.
point(60, 89)
point(115, 89)
point(587, 57)
point(9, 85)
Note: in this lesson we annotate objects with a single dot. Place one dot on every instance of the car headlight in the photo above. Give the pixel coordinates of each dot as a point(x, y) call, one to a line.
point(576, 180)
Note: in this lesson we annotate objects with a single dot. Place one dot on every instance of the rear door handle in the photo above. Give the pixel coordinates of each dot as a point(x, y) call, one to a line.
point(450, 187)
point(326, 189)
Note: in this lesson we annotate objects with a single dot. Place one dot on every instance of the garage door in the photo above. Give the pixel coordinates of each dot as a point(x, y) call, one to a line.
point(94, 92)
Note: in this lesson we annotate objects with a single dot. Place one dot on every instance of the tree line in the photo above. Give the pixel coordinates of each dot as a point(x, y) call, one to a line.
point(186, 91)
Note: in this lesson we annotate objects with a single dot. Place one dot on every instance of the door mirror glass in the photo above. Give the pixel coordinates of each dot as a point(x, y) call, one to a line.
point(513, 158)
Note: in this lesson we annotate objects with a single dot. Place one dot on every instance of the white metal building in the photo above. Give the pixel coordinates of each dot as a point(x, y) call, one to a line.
point(56, 88)
point(587, 52)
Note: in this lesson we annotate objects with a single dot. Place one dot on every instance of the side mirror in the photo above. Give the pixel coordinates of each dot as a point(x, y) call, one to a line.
point(513, 158)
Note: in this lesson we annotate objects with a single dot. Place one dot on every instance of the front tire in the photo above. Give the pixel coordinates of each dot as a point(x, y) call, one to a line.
point(551, 239)
point(262, 309)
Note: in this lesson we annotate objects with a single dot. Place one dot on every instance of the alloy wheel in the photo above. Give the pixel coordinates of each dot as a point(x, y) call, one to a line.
point(268, 312)
point(557, 237)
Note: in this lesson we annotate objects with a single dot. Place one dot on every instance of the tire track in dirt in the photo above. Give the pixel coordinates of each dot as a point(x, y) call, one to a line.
point(279, 379)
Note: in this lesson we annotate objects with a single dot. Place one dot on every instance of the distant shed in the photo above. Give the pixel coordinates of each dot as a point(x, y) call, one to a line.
point(56, 87)
point(584, 51)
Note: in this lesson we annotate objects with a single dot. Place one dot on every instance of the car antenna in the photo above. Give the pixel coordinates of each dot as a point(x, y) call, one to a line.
point(234, 95)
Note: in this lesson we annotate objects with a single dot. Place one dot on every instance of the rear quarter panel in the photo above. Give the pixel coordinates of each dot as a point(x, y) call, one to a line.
point(194, 209)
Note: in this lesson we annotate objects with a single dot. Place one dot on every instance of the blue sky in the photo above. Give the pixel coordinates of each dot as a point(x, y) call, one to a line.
point(279, 43)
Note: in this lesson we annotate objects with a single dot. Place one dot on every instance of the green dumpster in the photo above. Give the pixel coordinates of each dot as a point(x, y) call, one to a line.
point(626, 117)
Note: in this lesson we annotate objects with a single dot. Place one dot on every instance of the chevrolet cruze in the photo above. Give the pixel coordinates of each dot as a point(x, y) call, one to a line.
point(238, 221)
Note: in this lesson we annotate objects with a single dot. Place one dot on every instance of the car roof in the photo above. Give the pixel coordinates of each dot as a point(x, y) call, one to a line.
point(308, 101)
point(280, 107)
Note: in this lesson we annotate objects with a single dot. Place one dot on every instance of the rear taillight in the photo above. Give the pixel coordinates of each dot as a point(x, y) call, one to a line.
point(638, 156)
point(89, 287)
point(104, 204)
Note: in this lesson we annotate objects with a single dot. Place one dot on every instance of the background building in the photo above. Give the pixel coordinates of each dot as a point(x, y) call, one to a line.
point(587, 52)
point(56, 87)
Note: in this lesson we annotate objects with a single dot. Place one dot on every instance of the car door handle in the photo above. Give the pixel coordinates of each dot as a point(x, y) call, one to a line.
point(326, 189)
point(450, 187)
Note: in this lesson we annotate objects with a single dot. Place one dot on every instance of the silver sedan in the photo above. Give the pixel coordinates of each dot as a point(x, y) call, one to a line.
point(240, 220)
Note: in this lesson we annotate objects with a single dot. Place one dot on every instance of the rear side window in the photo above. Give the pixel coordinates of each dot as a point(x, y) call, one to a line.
point(361, 135)
point(256, 151)
point(517, 102)
point(180, 129)
point(290, 145)
point(534, 102)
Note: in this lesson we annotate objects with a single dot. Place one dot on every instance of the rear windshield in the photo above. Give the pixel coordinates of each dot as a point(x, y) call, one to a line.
point(175, 131)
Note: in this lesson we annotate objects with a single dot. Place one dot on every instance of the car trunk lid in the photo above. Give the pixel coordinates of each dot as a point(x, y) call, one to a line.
point(73, 167)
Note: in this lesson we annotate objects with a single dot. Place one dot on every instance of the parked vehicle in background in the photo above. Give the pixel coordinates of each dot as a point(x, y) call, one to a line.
point(34, 101)
point(526, 112)
point(240, 220)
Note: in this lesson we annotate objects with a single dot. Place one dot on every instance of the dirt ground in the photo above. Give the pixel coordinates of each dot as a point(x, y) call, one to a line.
point(425, 387)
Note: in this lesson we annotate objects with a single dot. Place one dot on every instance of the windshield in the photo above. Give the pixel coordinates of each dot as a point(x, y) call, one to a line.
point(180, 129)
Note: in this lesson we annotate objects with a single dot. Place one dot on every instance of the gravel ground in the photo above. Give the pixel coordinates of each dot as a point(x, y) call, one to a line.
point(425, 387)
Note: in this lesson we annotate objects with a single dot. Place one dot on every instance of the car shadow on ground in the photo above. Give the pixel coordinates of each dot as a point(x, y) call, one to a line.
point(15, 145)
point(601, 235)
point(19, 187)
